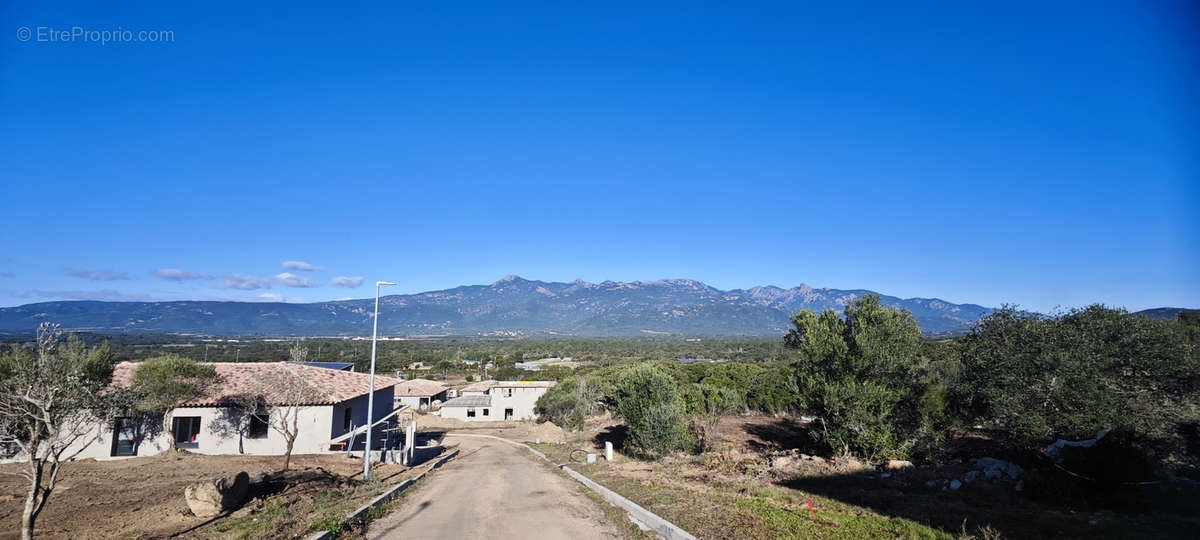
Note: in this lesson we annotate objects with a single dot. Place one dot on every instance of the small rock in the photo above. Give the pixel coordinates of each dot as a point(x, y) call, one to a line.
point(993, 468)
point(1020, 485)
point(898, 464)
point(885, 475)
point(955, 484)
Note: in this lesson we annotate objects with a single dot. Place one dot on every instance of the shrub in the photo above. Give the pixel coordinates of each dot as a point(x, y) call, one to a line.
point(650, 402)
point(572, 400)
point(772, 390)
point(1071, 375)
point(855, 374)
point(564, 405)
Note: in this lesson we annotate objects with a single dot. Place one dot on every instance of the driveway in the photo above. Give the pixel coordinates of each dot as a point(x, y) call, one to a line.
point(494, 489)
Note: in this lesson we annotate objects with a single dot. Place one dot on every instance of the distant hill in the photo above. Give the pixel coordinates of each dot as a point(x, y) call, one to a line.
point(509, 306)
point(1166, 312)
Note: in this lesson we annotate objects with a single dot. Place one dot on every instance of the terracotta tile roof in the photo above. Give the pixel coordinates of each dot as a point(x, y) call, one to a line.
point(419, 387)
point(322, 386)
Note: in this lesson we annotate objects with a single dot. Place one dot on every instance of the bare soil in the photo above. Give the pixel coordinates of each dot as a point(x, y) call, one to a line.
point(143, 497)
point(761, 474)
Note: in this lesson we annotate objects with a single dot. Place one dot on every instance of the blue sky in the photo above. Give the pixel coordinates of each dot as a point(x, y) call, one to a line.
point(1031, 154)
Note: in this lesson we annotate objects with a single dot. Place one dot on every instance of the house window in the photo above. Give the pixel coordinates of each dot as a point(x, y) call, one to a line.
point(125, 437)
point(259, 422)
point(470, 413)
point(485, 412)
point(186, 430)
point(347, 418)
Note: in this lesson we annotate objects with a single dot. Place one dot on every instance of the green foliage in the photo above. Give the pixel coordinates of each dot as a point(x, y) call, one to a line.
point(772, 390)
point(859, 376)
point(1088, 369)
point(165, 382)
point(650, 402)
point(49, 400)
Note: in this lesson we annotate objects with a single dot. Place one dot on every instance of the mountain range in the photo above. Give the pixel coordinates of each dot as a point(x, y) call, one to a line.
point(510, 306)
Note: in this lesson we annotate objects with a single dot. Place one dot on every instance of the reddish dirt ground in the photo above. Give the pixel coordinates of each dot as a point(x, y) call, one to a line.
point(143, 497)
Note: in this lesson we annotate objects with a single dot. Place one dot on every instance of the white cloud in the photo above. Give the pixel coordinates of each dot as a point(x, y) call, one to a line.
point(271, 297)
point(244, 283)
point(292, 280)
point(175, 274)
point(301, 266)
point(97, 275)
point(347, 282)
point(105, 295)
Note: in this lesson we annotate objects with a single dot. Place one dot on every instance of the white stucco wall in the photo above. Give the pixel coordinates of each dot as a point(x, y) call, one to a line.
point(522, 401)
point(223, 430)
point(419, 402)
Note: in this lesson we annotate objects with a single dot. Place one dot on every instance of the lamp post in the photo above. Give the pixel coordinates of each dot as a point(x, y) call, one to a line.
point(371, 389)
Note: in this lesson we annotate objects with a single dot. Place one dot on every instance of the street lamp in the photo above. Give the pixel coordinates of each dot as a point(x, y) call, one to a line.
point(371, 389)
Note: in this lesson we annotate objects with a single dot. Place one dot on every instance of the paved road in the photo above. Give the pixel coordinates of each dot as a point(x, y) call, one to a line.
point(494, 490)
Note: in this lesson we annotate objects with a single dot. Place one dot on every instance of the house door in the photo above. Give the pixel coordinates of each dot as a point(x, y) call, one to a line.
point(508, 414)
point(125, 437)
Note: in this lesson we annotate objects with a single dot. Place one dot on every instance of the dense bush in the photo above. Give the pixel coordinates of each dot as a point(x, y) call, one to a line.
point(1069, 376)
point(572, 400)
point(860, 377)
point(650, 402)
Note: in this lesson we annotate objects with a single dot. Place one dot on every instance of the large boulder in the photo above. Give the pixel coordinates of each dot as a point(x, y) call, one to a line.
point(217, 495)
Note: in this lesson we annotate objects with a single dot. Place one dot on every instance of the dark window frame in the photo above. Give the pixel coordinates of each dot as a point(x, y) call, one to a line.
point(191, 432)
point(347, 418)
point(259, 424)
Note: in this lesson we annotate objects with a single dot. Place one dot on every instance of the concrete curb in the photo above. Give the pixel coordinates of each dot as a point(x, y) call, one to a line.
point(640, 515)
point(660, 526)
point(385, 497)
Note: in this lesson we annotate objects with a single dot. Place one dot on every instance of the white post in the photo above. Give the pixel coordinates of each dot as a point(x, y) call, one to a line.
point(608, 450)
point(412, 440)
point(371, 387)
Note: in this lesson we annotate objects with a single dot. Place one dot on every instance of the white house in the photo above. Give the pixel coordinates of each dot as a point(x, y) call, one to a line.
point(336, 402)
point(496, 400)
point(420, 394)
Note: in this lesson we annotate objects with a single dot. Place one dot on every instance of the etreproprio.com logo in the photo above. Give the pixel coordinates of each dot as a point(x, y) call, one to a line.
point(79, 34)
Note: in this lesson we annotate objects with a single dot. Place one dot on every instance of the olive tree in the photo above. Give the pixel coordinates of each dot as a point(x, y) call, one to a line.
point(164, 383)
point(854, 374)
point(51, 403)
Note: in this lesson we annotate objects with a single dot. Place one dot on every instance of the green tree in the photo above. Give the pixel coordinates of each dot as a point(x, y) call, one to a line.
point(855, 374)
point(1071, 375)
point(166, 382)
point(50, 405)
point(649, 400)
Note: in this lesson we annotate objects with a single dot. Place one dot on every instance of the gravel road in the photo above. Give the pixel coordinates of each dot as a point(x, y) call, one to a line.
point(494, 489)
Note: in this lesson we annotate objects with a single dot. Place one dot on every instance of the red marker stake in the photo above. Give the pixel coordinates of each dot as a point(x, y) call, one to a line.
point(810, 509)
